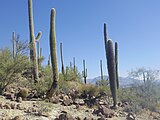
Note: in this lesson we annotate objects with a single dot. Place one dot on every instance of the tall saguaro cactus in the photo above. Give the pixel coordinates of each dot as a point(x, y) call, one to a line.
point(14, 44)
point(84, 72)
point(111, 71)
point(112, 64)
point(116, 63)
point(53, 53)
point(101, 70)
point(33, 56)
point(61, 51)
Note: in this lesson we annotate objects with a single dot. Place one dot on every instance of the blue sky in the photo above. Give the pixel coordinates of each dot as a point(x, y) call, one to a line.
point(134, 24)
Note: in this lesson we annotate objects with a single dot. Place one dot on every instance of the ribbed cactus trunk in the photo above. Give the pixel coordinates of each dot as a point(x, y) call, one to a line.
point(112, 71)
point(14, 44)
point(74, 65)
point(39, 52)
point(61, 51)
point(53, 52)
point(33, 56)
point(116, 63)
point(101, 70)
point(105, 38)
point(84, 72)
point(111, 66)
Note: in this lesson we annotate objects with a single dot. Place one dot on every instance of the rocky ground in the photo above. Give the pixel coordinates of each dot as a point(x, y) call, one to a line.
point(42, 110)
point(66, 107)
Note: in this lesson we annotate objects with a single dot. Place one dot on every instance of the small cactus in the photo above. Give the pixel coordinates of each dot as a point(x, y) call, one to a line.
point(74, 65)
point(14, 44)
point(84, 72)
point(101, 70)
point(53, 53)
point(63, 71)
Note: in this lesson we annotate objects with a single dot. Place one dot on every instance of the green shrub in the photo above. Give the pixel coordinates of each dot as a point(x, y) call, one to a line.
point(11, 69)
point(23, 93)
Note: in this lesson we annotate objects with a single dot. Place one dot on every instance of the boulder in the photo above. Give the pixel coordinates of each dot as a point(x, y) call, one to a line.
point(131, 116)
point(66, 116)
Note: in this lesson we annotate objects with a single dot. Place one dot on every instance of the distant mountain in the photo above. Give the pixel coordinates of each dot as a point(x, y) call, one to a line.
point(123, 81)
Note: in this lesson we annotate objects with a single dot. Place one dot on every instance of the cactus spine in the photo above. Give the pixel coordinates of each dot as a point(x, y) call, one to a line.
point(84, 72)
point(53, 53)
point(111, 64)
point(33, 40)
point(116, 63)
point(63, 72)
point(101, 69)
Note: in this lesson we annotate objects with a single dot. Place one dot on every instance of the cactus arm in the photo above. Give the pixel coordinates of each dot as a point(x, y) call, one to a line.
point(38, 36)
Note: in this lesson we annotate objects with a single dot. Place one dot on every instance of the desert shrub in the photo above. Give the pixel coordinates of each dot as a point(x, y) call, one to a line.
point(44, 83)
point(102, 82)
point(23, 93)
point(11, 69)
point(72, 75)
point(66, 86)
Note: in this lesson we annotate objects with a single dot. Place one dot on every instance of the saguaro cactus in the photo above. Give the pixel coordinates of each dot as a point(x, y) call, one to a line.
point(101, 70)
point(14, 44)
point(111, 64)
point(116, 63)
point(112, 71)
point(63, 72)
point(53, 53)
point(33, 40)
point(105, 38)
point(84, 73)
point(74, 65)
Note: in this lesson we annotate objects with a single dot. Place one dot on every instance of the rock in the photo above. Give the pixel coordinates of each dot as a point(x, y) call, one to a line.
point(79, 101)
point(9, 96)
point(102, 118)
point(131, 116)
point(108, 113)
point(88, 118)
point(17, 118)
point(67, 101)
point(66, 116)
point(78, 118)
point(1, 105)
point(102, 102)
point(54, 99)
point(13, 106)
point(7, 106)
point(19, 99)
point(19, 107)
